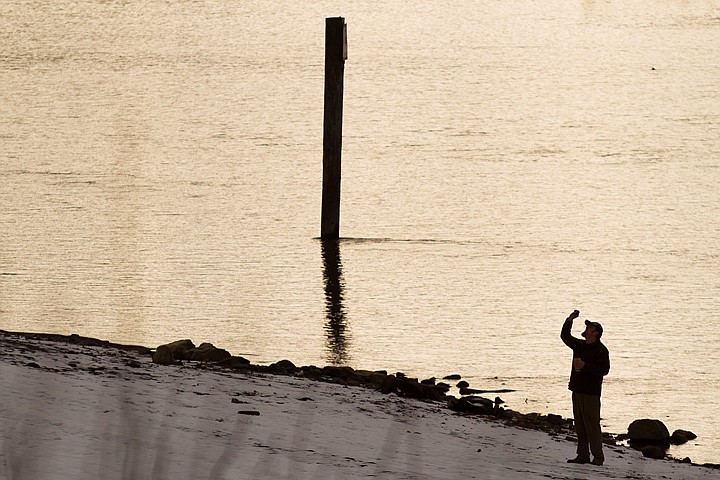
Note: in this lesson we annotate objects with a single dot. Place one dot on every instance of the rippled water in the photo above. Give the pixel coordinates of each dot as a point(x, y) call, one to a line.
point(503, 164)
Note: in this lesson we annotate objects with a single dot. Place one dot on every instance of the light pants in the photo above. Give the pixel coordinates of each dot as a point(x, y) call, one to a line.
point(586, 409)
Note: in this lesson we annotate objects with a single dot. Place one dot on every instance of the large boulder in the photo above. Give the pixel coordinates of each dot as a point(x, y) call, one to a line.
point(207, 352)
point(649, 432)
point(173, 352)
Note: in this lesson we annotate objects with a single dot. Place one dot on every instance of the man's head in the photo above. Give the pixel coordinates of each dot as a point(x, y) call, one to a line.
point(593, 331)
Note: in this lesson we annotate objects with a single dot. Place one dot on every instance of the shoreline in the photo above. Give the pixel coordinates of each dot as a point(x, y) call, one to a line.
point(419, 398)
point(348, 376)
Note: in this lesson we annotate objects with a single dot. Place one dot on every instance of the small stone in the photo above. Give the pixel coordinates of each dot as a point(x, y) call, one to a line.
point(283, 366)
point(680, 437)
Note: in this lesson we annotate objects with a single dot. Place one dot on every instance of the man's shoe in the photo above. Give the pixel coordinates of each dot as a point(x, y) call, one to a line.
point(579, 460)
point(597, 461)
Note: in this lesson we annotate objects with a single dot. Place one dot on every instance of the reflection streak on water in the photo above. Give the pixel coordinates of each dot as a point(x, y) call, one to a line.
point(336, 327)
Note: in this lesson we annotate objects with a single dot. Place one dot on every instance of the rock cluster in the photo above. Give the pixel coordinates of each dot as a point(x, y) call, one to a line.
point(175, 352)
point(76, 339)
point(652, 437)
point(386, 383)
point(399, 384)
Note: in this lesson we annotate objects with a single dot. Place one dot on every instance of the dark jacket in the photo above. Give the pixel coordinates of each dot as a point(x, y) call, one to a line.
point(597, 362)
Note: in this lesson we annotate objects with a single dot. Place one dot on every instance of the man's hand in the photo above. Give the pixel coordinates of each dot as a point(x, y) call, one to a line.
point(573, 316)
point(578, 363)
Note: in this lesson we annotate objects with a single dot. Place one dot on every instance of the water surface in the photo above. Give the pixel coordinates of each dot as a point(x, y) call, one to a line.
point(502, 165)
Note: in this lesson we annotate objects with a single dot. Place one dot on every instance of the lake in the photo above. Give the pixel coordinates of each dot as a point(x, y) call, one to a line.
point(503, 164)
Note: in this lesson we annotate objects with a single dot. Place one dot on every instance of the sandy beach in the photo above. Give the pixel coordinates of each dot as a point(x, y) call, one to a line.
point(74, 411)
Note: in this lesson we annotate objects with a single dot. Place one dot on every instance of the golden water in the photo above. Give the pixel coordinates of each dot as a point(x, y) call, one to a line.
point(503, 164)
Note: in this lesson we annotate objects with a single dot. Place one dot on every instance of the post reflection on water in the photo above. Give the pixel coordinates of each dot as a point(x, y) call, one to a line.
point(336, 326)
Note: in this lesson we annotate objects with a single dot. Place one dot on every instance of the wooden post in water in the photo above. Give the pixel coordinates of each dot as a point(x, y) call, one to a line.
point(335, 56)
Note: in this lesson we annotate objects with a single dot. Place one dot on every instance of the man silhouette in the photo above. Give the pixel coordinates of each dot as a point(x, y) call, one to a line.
point(591, 362)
